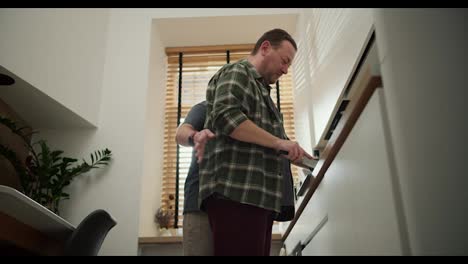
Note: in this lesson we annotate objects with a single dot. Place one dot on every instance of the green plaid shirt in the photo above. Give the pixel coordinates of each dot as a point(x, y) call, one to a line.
point(241, 171)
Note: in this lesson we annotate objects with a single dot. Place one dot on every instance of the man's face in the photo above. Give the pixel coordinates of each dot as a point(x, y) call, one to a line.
point(277, 61)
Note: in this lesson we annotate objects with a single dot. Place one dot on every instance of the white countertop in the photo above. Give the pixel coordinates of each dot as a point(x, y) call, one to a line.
point(28, 211)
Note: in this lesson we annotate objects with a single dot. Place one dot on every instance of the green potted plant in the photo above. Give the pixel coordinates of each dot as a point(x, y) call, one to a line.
point(46, 172)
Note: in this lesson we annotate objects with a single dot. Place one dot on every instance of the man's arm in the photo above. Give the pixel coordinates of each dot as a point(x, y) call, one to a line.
point(199, 138)
point(249, 132)
point(183, 133)
point(229, 119)
point(193, 123)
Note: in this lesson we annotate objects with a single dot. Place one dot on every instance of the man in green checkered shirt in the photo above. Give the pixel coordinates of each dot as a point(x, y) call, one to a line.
point(241, 169)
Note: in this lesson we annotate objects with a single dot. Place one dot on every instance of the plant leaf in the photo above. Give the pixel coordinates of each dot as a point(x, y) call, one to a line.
point(47, 172)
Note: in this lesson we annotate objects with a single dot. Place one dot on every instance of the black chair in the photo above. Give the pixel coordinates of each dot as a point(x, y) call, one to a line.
point(88, 237)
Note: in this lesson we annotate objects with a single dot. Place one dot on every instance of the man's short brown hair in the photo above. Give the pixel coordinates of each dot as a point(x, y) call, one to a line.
point(275, 37)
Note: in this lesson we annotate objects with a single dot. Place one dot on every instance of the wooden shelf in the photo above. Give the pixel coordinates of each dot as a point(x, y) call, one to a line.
point(30, 226)
point(178, 239)
point(160, 240)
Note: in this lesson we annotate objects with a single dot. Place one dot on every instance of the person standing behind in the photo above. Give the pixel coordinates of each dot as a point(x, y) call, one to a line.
point(197, 237)
point(241, 169)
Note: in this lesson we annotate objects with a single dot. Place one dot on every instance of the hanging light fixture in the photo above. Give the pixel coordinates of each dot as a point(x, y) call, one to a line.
point(6, 80)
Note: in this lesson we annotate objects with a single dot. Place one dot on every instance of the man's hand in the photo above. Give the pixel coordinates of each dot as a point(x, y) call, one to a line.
point(200, 138)
point(295, 152)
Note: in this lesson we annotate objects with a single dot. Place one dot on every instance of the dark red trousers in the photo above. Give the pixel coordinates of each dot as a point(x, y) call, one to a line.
point(239, 229)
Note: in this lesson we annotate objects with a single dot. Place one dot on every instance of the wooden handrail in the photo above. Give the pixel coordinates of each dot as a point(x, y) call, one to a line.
point(357, 91)
point(356, 105)
point(353, 77)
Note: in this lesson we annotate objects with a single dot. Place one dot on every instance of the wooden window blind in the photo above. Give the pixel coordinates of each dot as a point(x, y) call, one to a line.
point(199, 64)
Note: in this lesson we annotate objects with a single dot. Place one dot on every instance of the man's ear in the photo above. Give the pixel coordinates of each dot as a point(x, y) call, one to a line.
point(265, 47)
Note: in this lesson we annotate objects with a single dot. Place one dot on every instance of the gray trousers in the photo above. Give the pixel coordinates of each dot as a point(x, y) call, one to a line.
point(197, 236)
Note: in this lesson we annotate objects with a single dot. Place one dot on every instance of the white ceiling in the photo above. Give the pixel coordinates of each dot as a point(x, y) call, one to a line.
point(200, 31)
point(38, 109)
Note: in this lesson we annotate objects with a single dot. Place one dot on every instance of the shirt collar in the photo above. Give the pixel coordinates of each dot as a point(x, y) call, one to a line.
point(255, 74)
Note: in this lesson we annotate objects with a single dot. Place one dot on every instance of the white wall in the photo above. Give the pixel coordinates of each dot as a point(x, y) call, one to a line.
point(424, 65)
point(303, 114)
point(121, 129)
point(59, 51)
point(423, 62)
point(154, 138)
point(329, 40)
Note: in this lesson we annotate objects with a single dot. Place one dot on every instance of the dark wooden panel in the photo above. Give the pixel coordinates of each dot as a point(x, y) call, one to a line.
point(22, 238)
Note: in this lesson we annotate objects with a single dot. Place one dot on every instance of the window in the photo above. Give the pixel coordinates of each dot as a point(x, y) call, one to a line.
point(198, 65)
